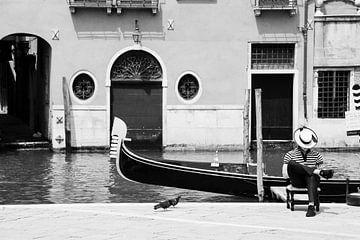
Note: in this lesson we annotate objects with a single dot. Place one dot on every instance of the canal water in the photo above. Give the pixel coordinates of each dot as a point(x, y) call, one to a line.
point(39, 176)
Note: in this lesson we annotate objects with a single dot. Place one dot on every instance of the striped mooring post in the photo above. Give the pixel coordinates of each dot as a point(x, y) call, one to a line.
point(356, 95)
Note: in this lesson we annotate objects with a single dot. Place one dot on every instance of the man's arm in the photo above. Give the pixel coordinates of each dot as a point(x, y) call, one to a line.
point(284, 171)
point(319, 161)
point(287, 158)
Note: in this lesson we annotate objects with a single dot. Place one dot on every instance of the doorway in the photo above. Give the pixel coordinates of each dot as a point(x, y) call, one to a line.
point(24, 88)
point(136, 97)
point(277, 105)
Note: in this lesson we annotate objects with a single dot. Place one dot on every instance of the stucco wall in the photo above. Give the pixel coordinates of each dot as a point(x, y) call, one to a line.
point(87, 126)
point(336, 46)
point(205, 127)
point(209, 38)
point(337, 41)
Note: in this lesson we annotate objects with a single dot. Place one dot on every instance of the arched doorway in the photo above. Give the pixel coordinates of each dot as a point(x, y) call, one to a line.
point(136, 96)
point(24, 88)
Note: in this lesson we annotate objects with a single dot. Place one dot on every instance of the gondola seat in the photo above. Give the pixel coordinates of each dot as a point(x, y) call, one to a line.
point(290, 197)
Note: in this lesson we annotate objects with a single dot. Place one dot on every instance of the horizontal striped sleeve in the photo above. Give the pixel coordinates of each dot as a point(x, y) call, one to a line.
point(288, 157)
point(320, 159)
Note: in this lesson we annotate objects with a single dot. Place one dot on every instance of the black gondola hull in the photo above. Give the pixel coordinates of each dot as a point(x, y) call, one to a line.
point(151, 171)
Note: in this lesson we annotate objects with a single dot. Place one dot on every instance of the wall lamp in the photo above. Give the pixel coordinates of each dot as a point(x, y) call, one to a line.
point(137, 34)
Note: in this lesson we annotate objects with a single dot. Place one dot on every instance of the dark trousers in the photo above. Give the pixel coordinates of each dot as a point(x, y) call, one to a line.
point(302, 176)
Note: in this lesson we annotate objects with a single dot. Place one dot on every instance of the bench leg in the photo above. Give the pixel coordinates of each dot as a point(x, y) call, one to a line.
point(287, 199)
point(292, 201)
point(317, 203)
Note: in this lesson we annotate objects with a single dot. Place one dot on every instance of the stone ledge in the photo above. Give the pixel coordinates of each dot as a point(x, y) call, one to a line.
point(337, 18)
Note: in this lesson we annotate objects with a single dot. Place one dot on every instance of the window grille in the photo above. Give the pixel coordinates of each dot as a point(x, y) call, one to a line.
point(188, 87)
point(83, 86)
point(136, 65)
point(333, 93)
point(277, 3)
point(272, 56)
point(111, 4)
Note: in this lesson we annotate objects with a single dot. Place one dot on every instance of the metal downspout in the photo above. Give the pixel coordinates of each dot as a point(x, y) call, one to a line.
point(305, 34)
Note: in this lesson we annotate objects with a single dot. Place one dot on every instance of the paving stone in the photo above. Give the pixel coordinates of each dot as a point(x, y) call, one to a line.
point(185, 221)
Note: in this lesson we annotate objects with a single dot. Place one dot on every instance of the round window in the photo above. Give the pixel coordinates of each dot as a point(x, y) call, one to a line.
point(188, 87)
point(83, 86)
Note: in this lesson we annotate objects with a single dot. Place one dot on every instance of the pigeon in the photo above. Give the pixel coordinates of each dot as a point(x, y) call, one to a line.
point(164, 204)
point(167, 203)
point(175, 201)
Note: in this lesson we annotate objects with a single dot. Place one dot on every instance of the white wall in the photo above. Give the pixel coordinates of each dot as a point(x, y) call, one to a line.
point(205, 126)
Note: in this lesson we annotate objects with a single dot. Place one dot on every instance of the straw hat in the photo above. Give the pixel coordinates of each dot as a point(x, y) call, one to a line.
point(305, 137)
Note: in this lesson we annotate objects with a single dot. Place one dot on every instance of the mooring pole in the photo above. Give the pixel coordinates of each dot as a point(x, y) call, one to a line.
point(246, 152)
point(259, 145)
point(67, 105)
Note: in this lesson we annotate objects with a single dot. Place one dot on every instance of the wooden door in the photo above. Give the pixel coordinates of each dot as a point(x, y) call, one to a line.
point(277, 105)
point(139, 105)
point(136, 96)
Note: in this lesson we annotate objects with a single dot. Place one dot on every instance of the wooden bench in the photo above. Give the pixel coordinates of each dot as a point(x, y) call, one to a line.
point(290, 199)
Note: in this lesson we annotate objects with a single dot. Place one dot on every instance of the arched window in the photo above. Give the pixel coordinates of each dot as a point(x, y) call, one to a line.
point(136, 65)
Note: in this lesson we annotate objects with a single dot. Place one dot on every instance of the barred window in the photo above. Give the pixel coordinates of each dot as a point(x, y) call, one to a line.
point(333, 93)
point(272, 56)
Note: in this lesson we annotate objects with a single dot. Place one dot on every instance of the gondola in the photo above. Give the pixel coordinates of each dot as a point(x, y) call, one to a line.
point(181, 174)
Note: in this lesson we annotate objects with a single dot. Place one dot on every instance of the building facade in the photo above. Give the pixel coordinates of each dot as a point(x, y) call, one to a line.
point(177, 71)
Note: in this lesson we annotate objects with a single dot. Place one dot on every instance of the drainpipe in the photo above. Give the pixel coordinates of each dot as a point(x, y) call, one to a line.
point(305, 34)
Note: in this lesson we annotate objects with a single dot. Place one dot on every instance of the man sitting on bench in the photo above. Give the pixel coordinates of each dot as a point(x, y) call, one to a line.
point(303, 166)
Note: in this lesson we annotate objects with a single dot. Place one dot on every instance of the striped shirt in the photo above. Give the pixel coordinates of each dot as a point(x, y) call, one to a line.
point(311, 158)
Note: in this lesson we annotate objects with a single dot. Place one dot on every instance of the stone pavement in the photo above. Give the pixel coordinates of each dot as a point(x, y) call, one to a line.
point(186, 221)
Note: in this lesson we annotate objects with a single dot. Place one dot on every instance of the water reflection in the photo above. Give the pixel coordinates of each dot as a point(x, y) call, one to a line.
point(79, 178)
point(346, 163)
point(47, 177)
point(25, 177)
